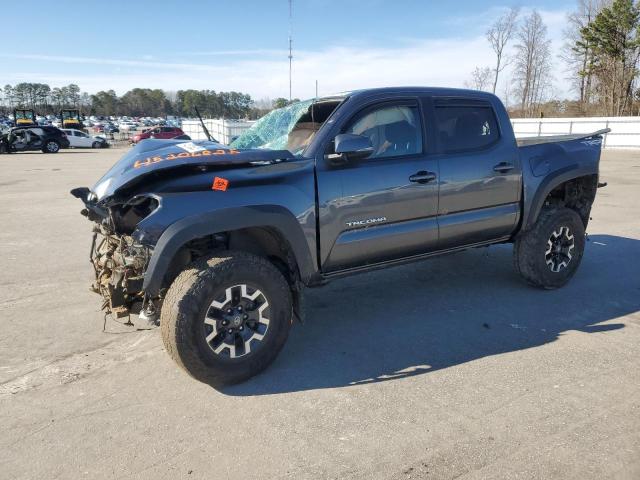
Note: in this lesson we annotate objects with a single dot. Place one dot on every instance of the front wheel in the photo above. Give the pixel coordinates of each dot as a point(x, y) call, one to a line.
point(549, 254)
point(51, 147)
point(95, 145)
point(225, 318)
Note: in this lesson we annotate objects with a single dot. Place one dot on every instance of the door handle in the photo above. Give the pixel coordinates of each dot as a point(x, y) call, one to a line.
point(503, 167)
point(422, 177)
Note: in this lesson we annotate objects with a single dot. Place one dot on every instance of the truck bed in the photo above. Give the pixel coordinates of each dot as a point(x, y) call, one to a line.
point(527, 141)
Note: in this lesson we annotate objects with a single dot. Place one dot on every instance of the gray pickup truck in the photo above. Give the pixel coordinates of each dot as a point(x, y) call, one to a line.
point(219, 242)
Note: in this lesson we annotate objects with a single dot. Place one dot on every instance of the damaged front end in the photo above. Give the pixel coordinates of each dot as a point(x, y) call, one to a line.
point(118, 261)
point(123, 208)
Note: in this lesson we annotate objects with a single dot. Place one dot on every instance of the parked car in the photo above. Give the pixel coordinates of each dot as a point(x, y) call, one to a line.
point(222, 241)
point(111, 128)
point(79, 139)
point(127, 125)
point(157, 132)
point(45, 138)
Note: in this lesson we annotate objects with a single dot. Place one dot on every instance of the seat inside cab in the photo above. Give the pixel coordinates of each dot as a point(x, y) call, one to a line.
point(309, 124)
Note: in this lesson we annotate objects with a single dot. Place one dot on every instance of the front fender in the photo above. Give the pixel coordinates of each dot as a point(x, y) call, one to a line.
point(223, 220)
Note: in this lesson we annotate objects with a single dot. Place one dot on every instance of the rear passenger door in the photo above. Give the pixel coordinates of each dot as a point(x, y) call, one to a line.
point(480, 173)
point(35, 135)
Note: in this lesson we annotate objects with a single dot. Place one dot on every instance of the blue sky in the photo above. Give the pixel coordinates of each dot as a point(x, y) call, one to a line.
point(241, 45)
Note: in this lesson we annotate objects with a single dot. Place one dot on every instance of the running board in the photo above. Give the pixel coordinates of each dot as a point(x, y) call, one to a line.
point(411, 259)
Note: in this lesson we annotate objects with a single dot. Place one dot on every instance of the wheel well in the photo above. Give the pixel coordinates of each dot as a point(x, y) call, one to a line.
point(264, 241)
point(269, 243)
point(577, 194)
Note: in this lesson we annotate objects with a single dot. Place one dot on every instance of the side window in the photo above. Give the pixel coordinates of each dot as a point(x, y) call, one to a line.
point(461, 128)
point(394, 130)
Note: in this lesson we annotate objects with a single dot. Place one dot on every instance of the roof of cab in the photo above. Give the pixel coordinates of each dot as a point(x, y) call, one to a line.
point(443, 91)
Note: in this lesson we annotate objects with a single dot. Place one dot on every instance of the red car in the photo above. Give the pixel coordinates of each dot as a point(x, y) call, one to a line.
point(157, 132)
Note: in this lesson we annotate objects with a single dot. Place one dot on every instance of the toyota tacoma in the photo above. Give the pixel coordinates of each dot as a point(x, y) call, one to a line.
point(218, 243)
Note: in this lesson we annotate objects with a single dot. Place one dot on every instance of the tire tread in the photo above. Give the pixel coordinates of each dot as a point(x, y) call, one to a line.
point(527, 248)
point(183, 303)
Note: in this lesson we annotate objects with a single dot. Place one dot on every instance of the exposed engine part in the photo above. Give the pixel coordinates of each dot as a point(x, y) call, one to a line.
point(119, 267)
point(125, 217)
point(149, 312)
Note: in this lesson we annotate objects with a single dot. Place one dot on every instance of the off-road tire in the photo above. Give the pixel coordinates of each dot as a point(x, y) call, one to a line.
point(51, 147)
point(530, 247)
point(189, 298)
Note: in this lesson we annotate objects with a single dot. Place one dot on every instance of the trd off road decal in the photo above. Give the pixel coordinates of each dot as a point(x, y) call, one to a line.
point(176, 156)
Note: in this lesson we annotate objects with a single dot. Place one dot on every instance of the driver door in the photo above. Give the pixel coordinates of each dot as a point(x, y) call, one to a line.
point(385, 206)
point(83, 139)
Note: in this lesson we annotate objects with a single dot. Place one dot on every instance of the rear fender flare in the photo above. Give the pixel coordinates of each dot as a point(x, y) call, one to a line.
point(551, 181)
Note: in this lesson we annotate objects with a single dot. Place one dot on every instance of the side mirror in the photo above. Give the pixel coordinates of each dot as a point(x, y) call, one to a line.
point(350, 147)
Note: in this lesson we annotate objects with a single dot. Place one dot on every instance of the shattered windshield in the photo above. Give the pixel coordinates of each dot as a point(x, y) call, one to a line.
point(290, 128)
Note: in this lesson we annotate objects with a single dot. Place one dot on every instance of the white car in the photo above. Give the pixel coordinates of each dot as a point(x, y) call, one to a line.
point(78, 139)
point(127, 126)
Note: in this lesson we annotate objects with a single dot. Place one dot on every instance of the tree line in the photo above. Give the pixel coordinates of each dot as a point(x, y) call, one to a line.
point(136, 102)
point(601, 51)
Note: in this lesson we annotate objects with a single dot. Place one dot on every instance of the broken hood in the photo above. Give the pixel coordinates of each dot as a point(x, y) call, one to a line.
point(153, 155)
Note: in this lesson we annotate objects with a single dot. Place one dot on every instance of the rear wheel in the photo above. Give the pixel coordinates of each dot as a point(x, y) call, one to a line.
point(549, 254)
point(226, 318)
point(51, 147)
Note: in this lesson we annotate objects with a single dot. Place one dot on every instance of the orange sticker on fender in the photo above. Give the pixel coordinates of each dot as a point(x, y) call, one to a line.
point(220, 183)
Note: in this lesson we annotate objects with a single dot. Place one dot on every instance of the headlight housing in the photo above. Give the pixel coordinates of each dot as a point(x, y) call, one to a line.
point(102, 188)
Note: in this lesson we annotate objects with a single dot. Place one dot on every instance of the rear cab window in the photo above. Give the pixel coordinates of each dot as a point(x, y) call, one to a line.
point(465, 125)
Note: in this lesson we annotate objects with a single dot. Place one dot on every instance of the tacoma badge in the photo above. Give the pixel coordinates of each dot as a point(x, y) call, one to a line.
point(368, 221)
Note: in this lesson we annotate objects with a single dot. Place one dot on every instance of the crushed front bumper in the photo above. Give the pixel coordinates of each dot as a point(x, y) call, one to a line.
point(119, 267)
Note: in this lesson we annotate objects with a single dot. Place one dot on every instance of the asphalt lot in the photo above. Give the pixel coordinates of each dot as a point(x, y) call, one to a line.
point(451, 368)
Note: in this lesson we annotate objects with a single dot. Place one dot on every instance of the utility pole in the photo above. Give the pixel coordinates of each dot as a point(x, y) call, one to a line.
point(290, 45)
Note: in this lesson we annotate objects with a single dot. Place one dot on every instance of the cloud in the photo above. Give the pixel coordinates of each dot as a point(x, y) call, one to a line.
point(234, 53)
point(337, 68)
point(265, 73)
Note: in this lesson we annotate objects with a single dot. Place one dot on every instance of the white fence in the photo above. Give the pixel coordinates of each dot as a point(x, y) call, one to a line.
point(224, 131)
point(625, 131)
